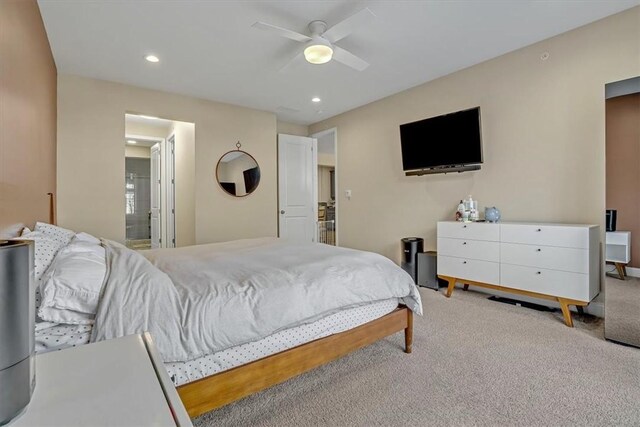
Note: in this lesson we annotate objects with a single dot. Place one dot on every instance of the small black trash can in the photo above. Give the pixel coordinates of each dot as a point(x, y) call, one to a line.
point(411, 246)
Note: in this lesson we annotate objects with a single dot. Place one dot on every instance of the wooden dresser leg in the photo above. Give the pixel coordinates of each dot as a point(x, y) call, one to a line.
point(621, 270)
point(564, 306)
point(408, 332)
point(452, 284)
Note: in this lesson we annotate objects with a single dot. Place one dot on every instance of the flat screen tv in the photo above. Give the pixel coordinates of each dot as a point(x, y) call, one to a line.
point(448, 143)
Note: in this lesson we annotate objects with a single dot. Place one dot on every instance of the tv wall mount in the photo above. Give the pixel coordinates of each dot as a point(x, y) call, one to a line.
point(443, 169)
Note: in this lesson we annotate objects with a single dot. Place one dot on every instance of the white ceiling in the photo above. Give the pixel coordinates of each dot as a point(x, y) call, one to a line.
point(208, 49)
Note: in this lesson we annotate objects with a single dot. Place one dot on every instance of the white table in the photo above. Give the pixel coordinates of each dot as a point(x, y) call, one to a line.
point(120, 382)
point(618, 250)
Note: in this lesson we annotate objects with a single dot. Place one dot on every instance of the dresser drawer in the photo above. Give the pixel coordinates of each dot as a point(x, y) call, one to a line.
point(549, 257)
point(550, 282)
point(469, 230)
point(470, 269)
point(467, 248)
point(546, 235)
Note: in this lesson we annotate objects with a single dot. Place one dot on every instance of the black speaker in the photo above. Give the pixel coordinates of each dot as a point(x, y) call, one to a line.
point(411, 246)
point(610, 219)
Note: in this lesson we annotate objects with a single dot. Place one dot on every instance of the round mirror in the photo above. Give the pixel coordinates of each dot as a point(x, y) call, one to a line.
point(238, 173)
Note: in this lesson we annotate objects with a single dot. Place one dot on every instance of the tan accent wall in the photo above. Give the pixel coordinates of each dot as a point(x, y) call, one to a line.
point(91, 129)
point(543, 136)
point(623, 166)
point(27, 117)
point(292, 128)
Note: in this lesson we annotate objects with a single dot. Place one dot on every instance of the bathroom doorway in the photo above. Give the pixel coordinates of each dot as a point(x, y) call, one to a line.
point(142, 195)
point(159, 165)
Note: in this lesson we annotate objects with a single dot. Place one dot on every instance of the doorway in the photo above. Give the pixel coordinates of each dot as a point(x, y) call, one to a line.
point(327, 218)
point(159, 182)
point(142, 195)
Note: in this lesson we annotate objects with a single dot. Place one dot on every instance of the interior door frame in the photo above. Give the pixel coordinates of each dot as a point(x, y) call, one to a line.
point(171, 190)
point(156, 187)
point(336, 175)
point(162, 142)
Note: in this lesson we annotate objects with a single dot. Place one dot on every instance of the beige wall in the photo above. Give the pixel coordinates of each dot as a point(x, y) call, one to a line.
point(623, 166)
point(91, 150)
point(27, 117)
point(326, 159)
point(143, 129)
point(292, 128)
point(137, 151)
point(543, 136)
point(185, 203)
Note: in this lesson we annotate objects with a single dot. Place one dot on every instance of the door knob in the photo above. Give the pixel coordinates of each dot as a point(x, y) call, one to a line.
point(282, 211)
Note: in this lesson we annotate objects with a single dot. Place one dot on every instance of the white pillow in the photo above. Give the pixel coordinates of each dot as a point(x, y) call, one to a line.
point(44, 251)
point(71, 287)
point(59, 234)
point(86, 237)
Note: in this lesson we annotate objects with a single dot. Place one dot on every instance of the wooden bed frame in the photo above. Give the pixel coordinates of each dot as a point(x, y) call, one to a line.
point(215, 391)
point(220, 389)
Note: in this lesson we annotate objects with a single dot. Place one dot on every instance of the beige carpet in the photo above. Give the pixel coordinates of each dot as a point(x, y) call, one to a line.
point(475, 362)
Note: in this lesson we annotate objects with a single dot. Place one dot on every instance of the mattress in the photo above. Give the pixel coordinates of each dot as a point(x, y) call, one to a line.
point(65, 336)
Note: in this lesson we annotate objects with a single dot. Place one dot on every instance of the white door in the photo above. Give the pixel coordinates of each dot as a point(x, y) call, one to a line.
point(297, 189)
point(155, 196)
point(171, 192)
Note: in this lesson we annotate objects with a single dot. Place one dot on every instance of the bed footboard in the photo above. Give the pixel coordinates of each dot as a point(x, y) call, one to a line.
point(225, 387)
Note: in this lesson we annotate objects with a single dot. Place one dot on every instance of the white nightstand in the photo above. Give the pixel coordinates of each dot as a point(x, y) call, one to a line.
point(618, 250)
point(120, 382)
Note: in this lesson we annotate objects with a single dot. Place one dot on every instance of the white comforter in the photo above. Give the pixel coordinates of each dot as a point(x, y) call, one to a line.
point(202, 299)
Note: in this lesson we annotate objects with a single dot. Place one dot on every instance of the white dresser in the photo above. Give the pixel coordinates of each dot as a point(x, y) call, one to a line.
point(552, 261)
point(618, 250)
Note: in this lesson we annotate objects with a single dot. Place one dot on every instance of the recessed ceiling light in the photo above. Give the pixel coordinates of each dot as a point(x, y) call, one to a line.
point(132, 141)
point(315, 99)
point(152, 58)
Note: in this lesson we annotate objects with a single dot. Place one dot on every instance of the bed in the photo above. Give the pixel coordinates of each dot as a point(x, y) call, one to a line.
point(283, 326)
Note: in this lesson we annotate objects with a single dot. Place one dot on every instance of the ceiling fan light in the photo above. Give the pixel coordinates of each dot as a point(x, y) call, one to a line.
point(318, 53)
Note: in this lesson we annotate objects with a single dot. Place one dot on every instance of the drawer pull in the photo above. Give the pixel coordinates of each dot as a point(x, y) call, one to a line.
point(464, 243)
point(538, 250)
point(539, 272)
point(464, 226)
point(464, 262)
point(539, 229)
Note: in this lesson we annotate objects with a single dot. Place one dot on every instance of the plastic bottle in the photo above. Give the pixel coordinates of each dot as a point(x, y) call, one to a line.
point(460, 211)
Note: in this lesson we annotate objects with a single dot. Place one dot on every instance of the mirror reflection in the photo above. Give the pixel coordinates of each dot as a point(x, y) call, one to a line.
point(238, 173)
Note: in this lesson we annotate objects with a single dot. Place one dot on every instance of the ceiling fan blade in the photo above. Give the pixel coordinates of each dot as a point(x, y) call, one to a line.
point(281, 31)
point(349, 59)
point(292, 63)
point(346, 27)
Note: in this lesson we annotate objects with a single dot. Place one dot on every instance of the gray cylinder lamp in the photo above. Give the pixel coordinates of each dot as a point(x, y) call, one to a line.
point(17, 328)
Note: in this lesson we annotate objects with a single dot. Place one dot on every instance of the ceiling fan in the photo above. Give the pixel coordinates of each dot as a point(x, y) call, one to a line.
point(320, 45)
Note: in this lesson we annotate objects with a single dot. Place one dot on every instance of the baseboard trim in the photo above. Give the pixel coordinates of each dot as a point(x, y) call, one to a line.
point(633, 272)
